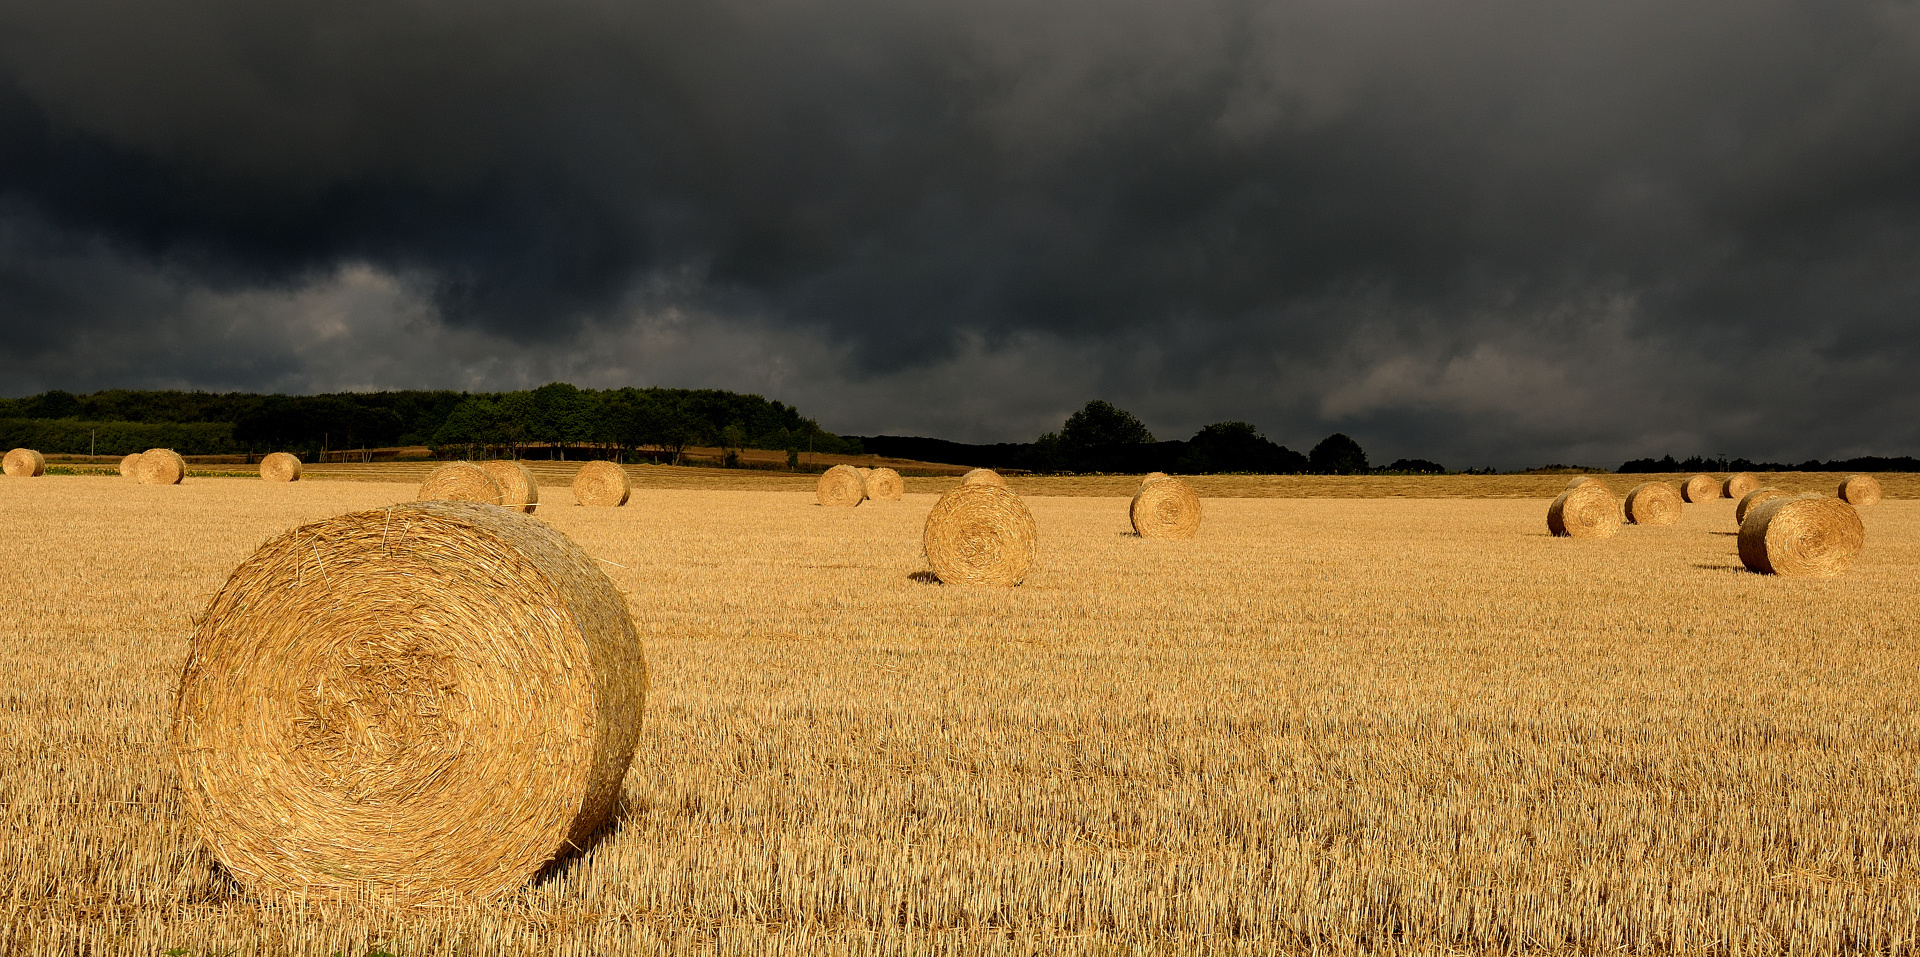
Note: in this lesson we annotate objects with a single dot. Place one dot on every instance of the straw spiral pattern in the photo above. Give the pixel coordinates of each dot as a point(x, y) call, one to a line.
point(24, 463)
point(1755, 497)
point(1860, 490)
point(1653, 503)
point(460, 482)
point(518, 488)
point(1700, 488)
point(841, 487)
point(885, 485)
point(160, 467)
point(1739, 484)
point(1805, 535)
point(601, 483)
point(280, 467)
point(980, 535)
point(1165, 509)
point(983, 477)
point(130, 466)
point(419, 703)
point(1584, 511)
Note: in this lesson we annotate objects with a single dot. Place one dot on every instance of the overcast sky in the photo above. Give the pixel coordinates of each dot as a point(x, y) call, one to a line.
point(1503, 233)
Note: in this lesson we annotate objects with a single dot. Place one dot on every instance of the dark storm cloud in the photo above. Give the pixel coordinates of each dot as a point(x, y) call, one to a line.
point(1483, 231)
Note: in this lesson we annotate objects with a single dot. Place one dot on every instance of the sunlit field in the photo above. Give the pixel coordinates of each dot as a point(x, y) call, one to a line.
point(1412, 722)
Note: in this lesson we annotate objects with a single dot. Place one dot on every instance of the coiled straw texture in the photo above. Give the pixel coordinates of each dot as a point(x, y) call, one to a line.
point(1700, 488)
point(601, 483)
point(460, 482)
point(160, 467)
point(130, 466)
point(1739, 484)
point(1860, 490)
point(1755, 497)
point(983, 477)
point(24, 463)
point(1167, 508)
point(885, 485)
point(980, 535)
point(1805, 535)
point(1584, 511)
point(841, 487)
point(420, 703)
point(518, 488)
point(280, 467)
point(1653, 503)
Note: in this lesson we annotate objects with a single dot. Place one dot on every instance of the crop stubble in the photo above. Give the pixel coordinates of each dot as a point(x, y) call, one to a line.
point(1352, 725)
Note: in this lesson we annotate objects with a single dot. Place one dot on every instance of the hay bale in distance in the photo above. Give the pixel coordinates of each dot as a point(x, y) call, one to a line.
point(1653, 503)
point(333, 742)
point(280, 467)
point(1700, 488)
point(980, 535)
point(130, 466)
point(885, 485)
point(1860, 490)
point(983, 477)
point(160, 467)
point(24, 463)
point(841, 487)
point(1803, 535)
point(1580, 480)
point(460, 482)
point(1755, 497)
point(601, 483)
point(518, 488)
point(1739, 484)
point(1587, 510)
point(1152, 477)
point(1167, 508)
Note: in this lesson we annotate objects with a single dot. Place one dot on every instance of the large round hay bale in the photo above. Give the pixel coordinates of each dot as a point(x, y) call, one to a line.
point(459, 482)
point(1653, 503)
point(280, 467)
point(1739, 484)
point(1700, 488)
point(1584, 511)
point(980, 535)
point(601, 483)
point(1580, 480)
point(1803, 535)
point(160, 467)
point(518, 488)
point(885, 485)
point(1755, 497)
point(423, 702)
point(1165, 509)
point(983, 477)
point(1860, 490)
point(130, 466)
point(841, 486)
point(24, 463)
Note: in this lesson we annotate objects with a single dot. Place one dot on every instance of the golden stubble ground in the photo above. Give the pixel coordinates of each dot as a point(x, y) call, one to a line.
point(1324, 725)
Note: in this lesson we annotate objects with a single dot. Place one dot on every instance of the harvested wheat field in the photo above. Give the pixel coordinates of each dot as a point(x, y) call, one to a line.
point(1322, 725)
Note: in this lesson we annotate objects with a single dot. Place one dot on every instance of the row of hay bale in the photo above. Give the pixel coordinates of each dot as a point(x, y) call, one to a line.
point(511, 485)
point(1780, 533)
point(153, 467)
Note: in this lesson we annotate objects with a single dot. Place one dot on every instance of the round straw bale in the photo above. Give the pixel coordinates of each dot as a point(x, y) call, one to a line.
point(1755, 497)
point(160, 467)
point(24, 463)
point(280, 467)
point(980, 535)
point(1165, 509)
point(1809, 535)
point(1739, 484)
point(1584, 511)
point(1152, 477)
point(1700, 488)
point(130, 466)
point(885, 485)
point(460, 482)
point(983, 477)
point(1580, 480)
point(1860, 490)
point(841, 486)
point(424, 702)
point(518, 489)
point(601, 483)
point(1653, 503)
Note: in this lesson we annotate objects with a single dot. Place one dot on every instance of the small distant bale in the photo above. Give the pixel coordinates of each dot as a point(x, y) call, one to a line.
point(885, 485)
point(1739, 484)
point(983, 477)
point(160, 467)
point(1860, 490)
point(980, 535)
point(1803, 536)
point(460, 482)
point(1700, 488)
point(1580, 480)
point(1755, 497)
point(130, 466)
point(601, 483)
point(841, 487)
point(1167, 508)
point(1152, 477)
point(1653, 503)
point(518, 488)
point(280, 467)
point(24, 463)
point(1584, 511)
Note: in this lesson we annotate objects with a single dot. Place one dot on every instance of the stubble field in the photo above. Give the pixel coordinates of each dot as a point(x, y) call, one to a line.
point(1332, 725)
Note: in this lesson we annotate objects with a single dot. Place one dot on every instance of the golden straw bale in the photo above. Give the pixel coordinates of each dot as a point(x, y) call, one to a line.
point(518, 488)
point(130, 466)
point(885, 485)
point(414, 704)
point(459, 482)
point(1755, 497)
point(24, 463)
point(1860, 490)
point(980, 535)
point(1653, 503)
point(1739, 484)
point(1167, 508)
point(983, 477)
point(1580, 480)
point(1584, 511)
point(280, 467)
point(1803, 535)
point(841, 486)
point(160, 467)
point(1700, 488)
point(1152, 477)
point(601, 483)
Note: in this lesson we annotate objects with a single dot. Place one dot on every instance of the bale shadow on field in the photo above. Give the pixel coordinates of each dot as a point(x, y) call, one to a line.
point(567, 861)
point(925, 578)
